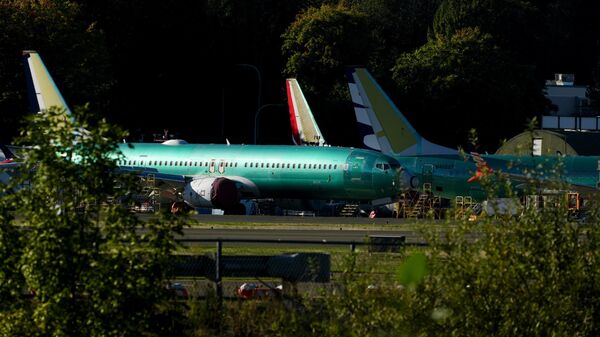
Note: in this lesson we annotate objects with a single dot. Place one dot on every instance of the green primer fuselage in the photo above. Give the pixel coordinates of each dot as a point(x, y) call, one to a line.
point(275, 171)
point(448, 174)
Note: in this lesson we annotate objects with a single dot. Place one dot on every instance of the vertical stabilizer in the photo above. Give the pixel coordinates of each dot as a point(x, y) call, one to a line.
point(381, 124)
point(43, 92)
point(305, 130)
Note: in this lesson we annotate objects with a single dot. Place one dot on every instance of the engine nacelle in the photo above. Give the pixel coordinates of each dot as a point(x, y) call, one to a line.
point(212, 192)
point(408, 181)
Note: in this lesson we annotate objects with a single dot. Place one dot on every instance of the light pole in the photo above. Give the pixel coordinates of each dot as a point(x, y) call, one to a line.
point(258, 113)
point(259, 81)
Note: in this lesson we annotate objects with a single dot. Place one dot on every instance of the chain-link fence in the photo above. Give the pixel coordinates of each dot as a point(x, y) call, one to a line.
point(242, 268)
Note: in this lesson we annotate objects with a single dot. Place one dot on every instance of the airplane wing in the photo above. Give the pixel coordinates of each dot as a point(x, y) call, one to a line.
point(197, 189)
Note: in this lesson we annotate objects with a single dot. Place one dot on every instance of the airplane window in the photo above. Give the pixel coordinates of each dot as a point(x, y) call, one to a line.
point(304, 165)
point(319, 166)
point(309, 166)
point(171, 163)
point(330, 166)
point(335, 167)
point(262, 164)
point(288, 165)
point(235, 164)
point(267, 165)
point(245, 164)
point(294, 166)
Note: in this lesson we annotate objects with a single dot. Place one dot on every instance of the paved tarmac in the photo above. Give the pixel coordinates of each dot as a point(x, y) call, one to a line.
point(270, 219)
point(325, 236)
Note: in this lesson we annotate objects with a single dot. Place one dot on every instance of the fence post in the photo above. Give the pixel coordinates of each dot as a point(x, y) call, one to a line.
point(353, 246)
point(218, 278)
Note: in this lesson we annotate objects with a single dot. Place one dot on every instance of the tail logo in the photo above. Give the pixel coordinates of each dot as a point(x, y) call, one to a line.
point(483, 168)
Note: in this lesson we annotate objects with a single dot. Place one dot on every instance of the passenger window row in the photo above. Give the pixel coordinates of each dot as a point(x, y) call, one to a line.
point(231, 164)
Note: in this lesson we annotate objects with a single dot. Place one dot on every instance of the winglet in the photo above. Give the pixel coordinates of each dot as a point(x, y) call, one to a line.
point(43, 92)
point(305, 130)
point(381, 124)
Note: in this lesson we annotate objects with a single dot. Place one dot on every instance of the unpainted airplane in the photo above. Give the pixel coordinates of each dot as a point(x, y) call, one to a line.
point(448, 173)
point(441, 170)
point(219, 176)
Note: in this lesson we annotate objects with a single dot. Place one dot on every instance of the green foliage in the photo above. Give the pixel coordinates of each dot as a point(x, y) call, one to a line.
point(321, 42)
point(465, 80)
point(92, 268)
point(412, 271)
point(512, 23)
point(394, 27)
point(593, 91)
point(527, 276)
point(73, 48)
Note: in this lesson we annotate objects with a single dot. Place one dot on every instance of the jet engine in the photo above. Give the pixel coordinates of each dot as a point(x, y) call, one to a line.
point(212, 192)
point(408, 181)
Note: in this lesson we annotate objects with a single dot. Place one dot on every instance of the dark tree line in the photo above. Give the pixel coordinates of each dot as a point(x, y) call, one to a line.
point(191, 67)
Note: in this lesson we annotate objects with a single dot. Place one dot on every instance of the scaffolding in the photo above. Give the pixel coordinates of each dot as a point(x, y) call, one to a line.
point(414, 205)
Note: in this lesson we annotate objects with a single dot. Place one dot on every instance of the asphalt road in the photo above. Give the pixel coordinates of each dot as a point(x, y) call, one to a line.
point(326, 236)
point(270, 219)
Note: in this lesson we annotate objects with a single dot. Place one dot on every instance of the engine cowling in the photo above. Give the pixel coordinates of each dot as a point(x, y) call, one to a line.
point(408, 181)
point(212, 192)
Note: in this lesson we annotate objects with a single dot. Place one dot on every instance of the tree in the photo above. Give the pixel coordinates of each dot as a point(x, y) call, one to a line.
point(81, 256)
point(512, 23)
point(593, 91)
point(531, 275)
point(394, 27)
point(318, 45)
point(73, 48)
point(468, 82)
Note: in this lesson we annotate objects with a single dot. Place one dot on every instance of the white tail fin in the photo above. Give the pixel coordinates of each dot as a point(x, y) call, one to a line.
point(43, 92)
point(381, 124)
point(305, 130)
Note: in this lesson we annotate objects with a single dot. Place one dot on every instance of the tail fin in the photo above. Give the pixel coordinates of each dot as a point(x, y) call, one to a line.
point(305, 130)
point(381, 124)
point(43, 92)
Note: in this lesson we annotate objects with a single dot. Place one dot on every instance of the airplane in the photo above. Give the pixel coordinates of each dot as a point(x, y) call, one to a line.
point(446, 172)
point(219, 176)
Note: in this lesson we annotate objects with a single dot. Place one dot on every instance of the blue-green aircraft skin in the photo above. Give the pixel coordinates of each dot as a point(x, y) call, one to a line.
point(207, 175)
point(384, 128)
point(449, 174)
point(274, 171)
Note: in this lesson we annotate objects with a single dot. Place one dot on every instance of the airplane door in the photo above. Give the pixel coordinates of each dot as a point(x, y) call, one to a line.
point(211, 167)
point(427, 174)
point(222, 166)
point(358, 174)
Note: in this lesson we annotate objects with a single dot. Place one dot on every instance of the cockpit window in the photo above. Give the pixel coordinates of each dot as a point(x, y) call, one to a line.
point(383, 166)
